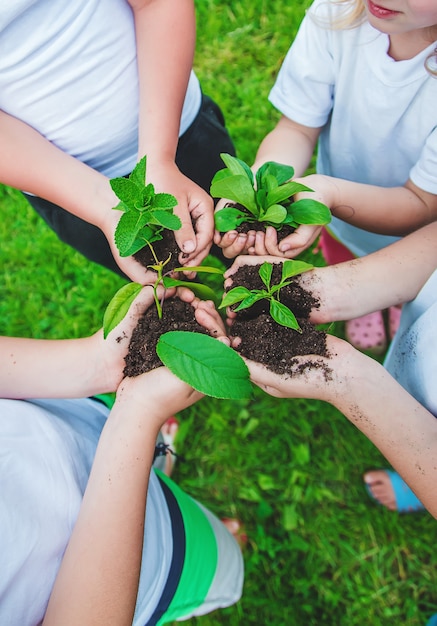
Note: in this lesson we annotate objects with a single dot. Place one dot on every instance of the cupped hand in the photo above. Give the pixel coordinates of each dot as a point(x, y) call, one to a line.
point(206, 314)
point(311, 376)
point(114, 348)
point(157, 395)
point(195, 209)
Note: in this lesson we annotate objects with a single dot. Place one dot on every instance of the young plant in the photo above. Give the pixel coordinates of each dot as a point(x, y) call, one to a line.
point(266, 197)
point(145, 213)
point(278, 311)
point(206, 364)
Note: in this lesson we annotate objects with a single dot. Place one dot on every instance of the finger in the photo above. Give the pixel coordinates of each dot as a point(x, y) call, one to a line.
point(301, 239)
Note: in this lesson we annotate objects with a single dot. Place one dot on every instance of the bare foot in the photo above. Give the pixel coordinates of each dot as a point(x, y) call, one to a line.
point(381, 488)
point(235, 527)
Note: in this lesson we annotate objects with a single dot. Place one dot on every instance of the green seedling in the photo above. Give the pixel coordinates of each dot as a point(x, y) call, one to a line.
point(208, 365)
point(145, 213)
point(266, 197)
point(278, 311)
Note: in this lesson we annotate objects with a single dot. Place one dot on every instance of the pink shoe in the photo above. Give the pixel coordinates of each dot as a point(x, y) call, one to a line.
point(367, 333)
point(394, 318)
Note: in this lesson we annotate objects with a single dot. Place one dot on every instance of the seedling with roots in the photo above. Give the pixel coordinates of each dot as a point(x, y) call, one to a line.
point(266, 197)
point(278, 311)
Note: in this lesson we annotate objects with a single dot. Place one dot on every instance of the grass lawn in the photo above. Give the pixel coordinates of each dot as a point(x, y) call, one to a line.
point(319, 551)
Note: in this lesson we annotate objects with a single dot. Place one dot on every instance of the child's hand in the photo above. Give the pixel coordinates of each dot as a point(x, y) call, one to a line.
point(156, 395)
point(206, 314)
point(195, 208)
point(233, 243)
point(113, 349)
point(312, 376)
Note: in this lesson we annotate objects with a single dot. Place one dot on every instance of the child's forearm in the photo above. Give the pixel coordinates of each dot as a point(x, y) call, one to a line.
point(395, 211)
point(98, 579)
point(38, 368)
point(391, 276)
point(403, 430)
point(165, 35)
point(288, 143)
point(30, 162)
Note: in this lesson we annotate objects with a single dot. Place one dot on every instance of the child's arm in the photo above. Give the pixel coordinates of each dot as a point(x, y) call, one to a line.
point(31, 163)
point(165, 34)
point(39, 368)
point(68, 368)
point(98, 579)
point(393, 211)
point(358, 386)
point(393, 275)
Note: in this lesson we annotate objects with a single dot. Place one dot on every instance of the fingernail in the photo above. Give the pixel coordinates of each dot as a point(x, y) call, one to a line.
point(188, 246)
point(284, 248)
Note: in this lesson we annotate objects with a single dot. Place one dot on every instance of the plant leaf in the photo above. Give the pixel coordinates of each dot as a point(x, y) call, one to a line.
point(199, 289)
point(292, 267)
point(307, 211)
point(238, 189)
point(206, 364)
point(165, 218)
point(164, 201)
point(127, 191)
point(275, 214)
point(237, 166)
point(127, 230)
point(265, 272)
point(285, 192)
point(228, 219)
point(283, 316)
point(234, 295)
point(138, 174)
point(254, 296)
point(282, 173)
point(119, 306)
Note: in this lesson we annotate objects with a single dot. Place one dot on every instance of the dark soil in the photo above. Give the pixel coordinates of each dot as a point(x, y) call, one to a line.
point(265, 341)
point(163, 248)
point(244, 227)
point(142, 357)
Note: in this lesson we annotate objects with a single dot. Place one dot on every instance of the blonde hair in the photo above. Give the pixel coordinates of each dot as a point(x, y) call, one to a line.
point(354, 14)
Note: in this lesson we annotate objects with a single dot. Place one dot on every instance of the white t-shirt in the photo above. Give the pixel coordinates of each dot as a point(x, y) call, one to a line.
point(379, 116)
point(69, 70)
point(412, 357)
point(46, 451)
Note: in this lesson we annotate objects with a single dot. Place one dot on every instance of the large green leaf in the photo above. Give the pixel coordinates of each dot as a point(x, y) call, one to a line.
point(206, 364)
point(119, 306)
point(307, 211)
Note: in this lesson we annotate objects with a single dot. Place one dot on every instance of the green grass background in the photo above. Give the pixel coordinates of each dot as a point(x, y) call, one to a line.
point(319, 551)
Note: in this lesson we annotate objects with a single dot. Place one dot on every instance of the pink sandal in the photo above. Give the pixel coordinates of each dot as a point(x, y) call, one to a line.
point(394, 318)
point(367, 333)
